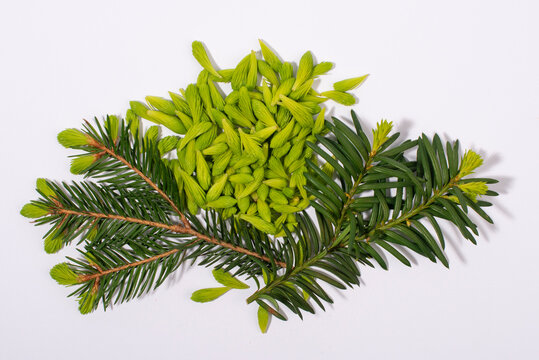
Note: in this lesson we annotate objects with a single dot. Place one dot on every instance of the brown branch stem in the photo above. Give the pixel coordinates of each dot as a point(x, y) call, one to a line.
point(98, 275)
point(174, 228)
point(97, 145)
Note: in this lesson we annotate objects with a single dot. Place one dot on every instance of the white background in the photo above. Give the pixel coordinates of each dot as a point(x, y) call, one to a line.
point(465, 69)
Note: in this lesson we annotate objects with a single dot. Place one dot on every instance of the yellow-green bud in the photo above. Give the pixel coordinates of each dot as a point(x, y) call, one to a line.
point(259, 223)
point(195, 102)
point(275, 165)
point(263, 191)
point(215, 149)
point(266, 71)
point(263, 113)
point(294, 154)
point(263, 134)
point(286, 71)
point(193, 189)
point(250, 146)
point(73, 137)
point(296, 164)
point(202, 57)
point(235, 114)
point(206, 139)
point(241, 178)
point(167, 144)
point(222, 203)
point(139, 109)
point(203, 171)
point(322, 68)
point(339, 97)
point(53, 243)
point(263, 210)
point(277, 197)
point(243, 204)
point(221, 162)
point(301, 113)
point(163, 105)
point(319, 124)
point(43, 187)
point(252, 75)
point(33, 211)
point(349, 84)
point(470, 161)
point(288, 192)
point(241, 161)
point(282, 150)
point(239, 76)
point(270, 56)
point(284, 89)
point(305, 69)
point(180, 103)
point(282, 136)
point(284, 208)
point(252, 210)
point(217, 188)
point(216, 97)
point(232, 138)
point(81, 163)
point(171, 122)
point(63, 274)
point(196, 130)
point(87, 303)
point(229, 189)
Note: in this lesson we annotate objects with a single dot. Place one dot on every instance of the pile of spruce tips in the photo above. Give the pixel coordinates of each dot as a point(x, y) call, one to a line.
point(244, 154)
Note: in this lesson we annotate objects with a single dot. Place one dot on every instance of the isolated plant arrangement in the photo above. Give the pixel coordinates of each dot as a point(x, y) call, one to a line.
point(256, 184)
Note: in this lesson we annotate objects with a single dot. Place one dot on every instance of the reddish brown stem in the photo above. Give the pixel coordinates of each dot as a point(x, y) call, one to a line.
point(97, 145)
point(174, 228)
point(98, 275)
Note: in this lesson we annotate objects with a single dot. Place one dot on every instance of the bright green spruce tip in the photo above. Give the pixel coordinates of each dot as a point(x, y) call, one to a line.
point(33, 211)
point(53, 243)
point(209, 294)
point(222, 202)
point(474, 189)
point(470, 161)
point(339, 97)
point(268, 118)
point(263, 319)
point(226, 279)
point(383, 128)
point(161, 104)
point(81, 163)
point(72, 137)
point(305, 69)
point(270, 56)
point(87, 303)
point(349, 84)
point(139, 109)
point(63, 274)
point(322, 68)
point(43, 187)
point(259, 223)
point(202, 57)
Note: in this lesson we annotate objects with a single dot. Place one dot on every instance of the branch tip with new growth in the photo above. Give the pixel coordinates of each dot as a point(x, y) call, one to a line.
point(174, 228)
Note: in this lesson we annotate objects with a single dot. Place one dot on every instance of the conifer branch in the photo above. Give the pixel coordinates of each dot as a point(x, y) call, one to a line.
point(350, 195)
point(94, 143)
point(174, 228)
point(100, 273)
point(429, 184)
